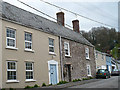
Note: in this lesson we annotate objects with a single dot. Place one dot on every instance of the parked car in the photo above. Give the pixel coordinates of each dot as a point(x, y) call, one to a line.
point(103, 73)
point(115, 72)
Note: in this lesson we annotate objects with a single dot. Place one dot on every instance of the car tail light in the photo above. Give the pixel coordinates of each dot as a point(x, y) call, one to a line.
point(104, 73)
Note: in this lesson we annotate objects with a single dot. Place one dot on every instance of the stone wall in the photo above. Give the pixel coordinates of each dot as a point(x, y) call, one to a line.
point(77, 60)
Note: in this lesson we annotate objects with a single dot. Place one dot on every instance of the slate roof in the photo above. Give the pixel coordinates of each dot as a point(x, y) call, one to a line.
point(13, 13)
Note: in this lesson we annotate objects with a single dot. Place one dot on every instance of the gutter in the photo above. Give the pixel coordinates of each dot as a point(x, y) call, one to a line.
point(61, 62)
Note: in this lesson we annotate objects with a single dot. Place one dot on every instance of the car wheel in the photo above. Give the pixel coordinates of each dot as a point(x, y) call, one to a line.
point(106, 77)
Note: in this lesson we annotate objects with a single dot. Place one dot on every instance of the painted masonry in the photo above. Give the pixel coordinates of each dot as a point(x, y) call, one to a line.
point(36, 50)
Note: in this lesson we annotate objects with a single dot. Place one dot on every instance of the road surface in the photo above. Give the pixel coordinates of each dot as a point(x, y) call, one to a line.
point(104, 83)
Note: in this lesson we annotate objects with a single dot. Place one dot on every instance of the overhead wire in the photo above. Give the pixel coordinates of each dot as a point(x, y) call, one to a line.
point(78, 14)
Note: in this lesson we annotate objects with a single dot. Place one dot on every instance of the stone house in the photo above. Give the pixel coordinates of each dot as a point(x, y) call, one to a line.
point(78, 60)
point(35, 50)
point(100, 60)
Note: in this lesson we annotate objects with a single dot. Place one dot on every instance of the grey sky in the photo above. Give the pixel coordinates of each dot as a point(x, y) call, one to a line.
point(106, 12)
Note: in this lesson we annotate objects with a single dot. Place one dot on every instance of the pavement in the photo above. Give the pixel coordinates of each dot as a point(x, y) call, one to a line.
point(103, 84)
point(71, 84)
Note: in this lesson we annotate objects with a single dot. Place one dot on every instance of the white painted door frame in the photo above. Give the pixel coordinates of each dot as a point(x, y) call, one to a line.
point(56, 63)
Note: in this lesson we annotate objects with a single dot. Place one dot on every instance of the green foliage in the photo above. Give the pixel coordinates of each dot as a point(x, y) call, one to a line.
point(28, 87)
point(76, 80)
point(62, 82)
point(50, 84)
point(3, 89)
point(103, 38)
point(12, 89)
point(85, 78)
point(36, 85)
point(43, 84)
point(91, 78)
point(114, 51)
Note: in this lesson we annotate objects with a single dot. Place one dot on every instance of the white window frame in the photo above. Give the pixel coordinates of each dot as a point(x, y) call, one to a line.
point(30, 71)
point(87, 52)
point(11, 38)
point(26, 41)
point(52, 46)
point(67, 48)
point(89, 70)
point(12, 80)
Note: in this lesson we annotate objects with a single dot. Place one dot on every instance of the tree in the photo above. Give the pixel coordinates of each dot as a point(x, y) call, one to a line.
point(102, 38)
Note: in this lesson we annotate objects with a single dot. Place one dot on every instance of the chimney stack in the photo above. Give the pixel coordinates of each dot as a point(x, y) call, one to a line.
point(76, 25)
point(60, 18)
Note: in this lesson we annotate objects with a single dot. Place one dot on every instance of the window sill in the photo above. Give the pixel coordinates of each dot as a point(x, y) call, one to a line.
point(88, 59)
point(31, 80)
point(12, 81)
point(12, 48)
point(89, 75)
point(68, 56)
point(29, 50)
point(52, 53)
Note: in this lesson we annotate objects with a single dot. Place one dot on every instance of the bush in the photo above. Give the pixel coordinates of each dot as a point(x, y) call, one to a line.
point(12, 89)
point(91, 77)
point(36, 85)
point(85, 79)
point(50, 84)
point(75, 80)
point(3, 89)
point(28, 87)
point(79, 79)
point(43, 84)
point(62, 82)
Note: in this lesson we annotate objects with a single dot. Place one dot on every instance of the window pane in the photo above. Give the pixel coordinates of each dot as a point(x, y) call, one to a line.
point(29, 75)
point(29, 66)
point(66, 46)
point(10, 42)
point(51, 49)
point(11, 33)
point(28, 45)
point(28, 36)
point(66, 52)
point(51, 42)
point(11, 65)
point(11, 75)
point(87, 52)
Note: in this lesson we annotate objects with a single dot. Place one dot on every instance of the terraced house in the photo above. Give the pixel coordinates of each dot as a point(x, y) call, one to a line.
point(35, 50)
point(100, 60)
point(77, 54)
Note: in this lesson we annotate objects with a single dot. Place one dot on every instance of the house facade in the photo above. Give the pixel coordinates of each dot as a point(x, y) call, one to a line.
point(114, 64)
point(29, 56)
point(78, 60)
point(36, 50)
point(100, 60)
point(108, 63)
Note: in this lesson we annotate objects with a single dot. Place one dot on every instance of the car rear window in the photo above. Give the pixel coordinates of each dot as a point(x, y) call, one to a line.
point(115, 70)
point(101, 70)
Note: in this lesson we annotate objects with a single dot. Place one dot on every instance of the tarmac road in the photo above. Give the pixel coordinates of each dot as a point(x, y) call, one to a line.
point(112, 82)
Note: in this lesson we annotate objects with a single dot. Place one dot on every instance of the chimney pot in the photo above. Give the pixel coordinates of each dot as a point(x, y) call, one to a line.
point(60, 18)
point(76, 25)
